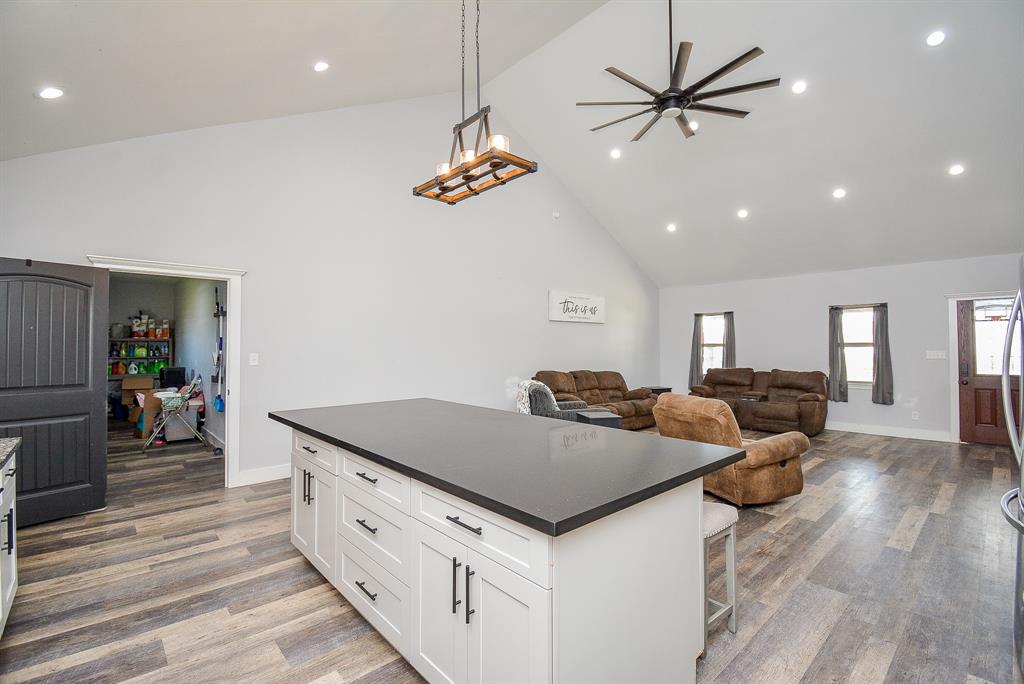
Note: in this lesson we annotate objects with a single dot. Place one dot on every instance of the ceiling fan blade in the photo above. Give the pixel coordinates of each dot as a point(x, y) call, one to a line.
point(605, 125)
point(682, 58)
point(597, 104)
point(724, 111)
point(728, 68)
point(646, 127)
point(684, 125)
point(632, 81)
point(770, 83)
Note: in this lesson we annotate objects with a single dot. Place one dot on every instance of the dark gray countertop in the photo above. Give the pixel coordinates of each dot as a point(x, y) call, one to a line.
point(551, 475)
point(8, 445)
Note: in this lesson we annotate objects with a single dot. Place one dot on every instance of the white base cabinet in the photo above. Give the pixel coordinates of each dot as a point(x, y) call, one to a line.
point(8, 540)
point(469, 596)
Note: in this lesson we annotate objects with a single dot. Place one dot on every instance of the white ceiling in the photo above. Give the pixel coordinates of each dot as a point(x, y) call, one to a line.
point(135, 68)
point(884, 116)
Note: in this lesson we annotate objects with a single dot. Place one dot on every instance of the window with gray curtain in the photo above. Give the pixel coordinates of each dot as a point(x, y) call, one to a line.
point(859, 351)
point(714, 344)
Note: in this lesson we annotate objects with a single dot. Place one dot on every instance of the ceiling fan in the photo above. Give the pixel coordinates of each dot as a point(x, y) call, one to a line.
point(671, 102)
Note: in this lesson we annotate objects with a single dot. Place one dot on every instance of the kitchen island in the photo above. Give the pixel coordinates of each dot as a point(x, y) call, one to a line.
point(491, 546)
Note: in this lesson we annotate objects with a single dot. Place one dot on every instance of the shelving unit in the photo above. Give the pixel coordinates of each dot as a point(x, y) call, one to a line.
point(169, 357)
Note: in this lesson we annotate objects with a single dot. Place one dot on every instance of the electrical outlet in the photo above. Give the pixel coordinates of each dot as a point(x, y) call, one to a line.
point(935, 354)
point(915, 415)
point(254, 359)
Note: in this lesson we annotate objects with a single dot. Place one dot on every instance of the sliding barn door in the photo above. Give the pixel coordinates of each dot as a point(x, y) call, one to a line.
point(53, 385)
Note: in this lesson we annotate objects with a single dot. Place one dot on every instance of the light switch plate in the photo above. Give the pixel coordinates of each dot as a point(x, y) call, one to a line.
point(935, 354)
point(254, 359)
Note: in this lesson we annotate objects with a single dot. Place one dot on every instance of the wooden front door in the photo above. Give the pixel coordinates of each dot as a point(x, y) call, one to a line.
point(981, 328)
point(53, 385)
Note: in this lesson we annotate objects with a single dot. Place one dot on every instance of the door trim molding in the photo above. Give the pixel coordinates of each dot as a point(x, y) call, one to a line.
point(233, 475)
point(951, 354)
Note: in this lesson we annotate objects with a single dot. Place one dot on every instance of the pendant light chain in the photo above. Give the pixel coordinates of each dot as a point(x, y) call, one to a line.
point(463, 91)
point(478, 55)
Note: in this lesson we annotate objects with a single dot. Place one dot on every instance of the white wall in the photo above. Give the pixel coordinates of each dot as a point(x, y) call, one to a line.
point(783, 323)
point(195, 337)
point(128, 294)
point(355, 290)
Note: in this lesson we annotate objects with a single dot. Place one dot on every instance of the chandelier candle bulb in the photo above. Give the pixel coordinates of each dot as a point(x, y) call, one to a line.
point(499, 142)
point(444, 168)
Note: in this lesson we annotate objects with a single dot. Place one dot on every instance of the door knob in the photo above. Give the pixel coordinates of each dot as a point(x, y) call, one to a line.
point(963, 382)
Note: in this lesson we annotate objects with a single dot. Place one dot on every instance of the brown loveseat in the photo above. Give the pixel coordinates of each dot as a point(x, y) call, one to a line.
point(771, 469)
point(778, 401)
point(603, 389)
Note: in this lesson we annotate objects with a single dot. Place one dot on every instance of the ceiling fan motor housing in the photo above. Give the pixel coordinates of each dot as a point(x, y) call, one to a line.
point(672, 102)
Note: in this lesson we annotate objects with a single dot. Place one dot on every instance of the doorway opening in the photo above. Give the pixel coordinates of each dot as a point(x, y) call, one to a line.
point(981, 325)
point(194, 337)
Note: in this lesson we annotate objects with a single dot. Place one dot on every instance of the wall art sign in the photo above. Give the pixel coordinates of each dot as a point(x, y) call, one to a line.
point(574, 307)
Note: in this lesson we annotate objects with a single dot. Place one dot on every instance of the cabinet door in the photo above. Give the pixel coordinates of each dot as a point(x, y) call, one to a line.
point(9, 552)
point(323, 501)
point(509, 625)
point(438, 636)
point(302, 511)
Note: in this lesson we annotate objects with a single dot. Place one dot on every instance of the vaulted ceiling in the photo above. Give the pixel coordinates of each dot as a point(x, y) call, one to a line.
point(884, 116)
point(135, 68)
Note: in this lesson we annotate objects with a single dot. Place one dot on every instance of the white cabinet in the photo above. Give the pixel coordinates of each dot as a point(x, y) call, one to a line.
point(8, 541)
point(314, 502)
point(474, 620)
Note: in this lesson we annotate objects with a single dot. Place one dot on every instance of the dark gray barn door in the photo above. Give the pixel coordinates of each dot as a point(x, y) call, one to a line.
point(53, 386)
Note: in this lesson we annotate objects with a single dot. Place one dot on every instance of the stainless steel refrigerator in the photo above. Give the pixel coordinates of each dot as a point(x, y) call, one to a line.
point(1013, 508)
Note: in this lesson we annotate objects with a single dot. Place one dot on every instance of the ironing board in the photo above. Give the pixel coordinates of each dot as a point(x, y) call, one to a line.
point(172, 404)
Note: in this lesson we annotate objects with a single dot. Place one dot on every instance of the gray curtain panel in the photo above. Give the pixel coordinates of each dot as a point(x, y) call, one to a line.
point(730, 342)
point(837, 388)
point(697, 350)
point(881, 381)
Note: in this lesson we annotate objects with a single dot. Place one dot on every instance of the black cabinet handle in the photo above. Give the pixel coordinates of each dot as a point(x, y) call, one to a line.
point(455, 519)
point(469, 573)
point(371, 480)
point(12, 471)
point(10, 531)
point(7, 543)
point(362, 585)
point(305, 486)
point(373, 530)
point(309, 497)
point(306, 448)
point(455, 578)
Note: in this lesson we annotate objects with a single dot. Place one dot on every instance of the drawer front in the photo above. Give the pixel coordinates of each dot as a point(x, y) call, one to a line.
point(375, 528)
point(380, 597)
point(525, 551)
point(320, 453)
point(383, 483)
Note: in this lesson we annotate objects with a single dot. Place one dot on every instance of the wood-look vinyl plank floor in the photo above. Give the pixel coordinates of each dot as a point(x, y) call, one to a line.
point(893, 565)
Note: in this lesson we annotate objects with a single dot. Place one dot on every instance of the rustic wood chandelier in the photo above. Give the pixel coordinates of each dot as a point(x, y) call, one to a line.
point(477, 171)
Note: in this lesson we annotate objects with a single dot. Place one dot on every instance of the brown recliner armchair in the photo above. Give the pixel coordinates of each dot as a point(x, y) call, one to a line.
point(771, 469)
point(605, 390)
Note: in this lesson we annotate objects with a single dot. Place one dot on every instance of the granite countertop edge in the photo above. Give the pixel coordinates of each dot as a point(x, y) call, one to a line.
point(8, 445)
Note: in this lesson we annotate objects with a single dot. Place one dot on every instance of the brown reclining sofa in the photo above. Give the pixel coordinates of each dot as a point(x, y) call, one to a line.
point(779, 401)
point(605, 390)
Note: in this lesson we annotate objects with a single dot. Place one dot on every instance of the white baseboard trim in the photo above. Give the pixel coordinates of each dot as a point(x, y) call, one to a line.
point(891, 431)
point(212, 438)
point(257, 475)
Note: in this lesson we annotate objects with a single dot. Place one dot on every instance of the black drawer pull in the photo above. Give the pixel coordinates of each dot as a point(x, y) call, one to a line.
point(455, 519)
point(306, 448)
point(362, 585)
point(373, 530)
point(12, 471)
point(371, 480)
point(10, 532)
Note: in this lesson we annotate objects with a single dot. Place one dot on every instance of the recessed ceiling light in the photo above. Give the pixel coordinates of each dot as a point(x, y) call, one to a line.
point(321, 66)
point(839, 193)
point(694, 125)
point(799, 87)
point(743, 213)
point(956, 169)
point(671, 227)
point(50, 93)
point(616, 153)
point(935, 38)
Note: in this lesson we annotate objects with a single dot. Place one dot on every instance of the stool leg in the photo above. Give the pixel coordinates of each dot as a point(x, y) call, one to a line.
point(730, 575)
point(704, 598)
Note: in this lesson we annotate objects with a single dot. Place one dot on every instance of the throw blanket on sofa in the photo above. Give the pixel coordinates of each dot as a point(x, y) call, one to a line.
point(523, 395)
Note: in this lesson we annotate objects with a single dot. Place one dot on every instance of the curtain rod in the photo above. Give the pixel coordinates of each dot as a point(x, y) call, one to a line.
point(858, 306)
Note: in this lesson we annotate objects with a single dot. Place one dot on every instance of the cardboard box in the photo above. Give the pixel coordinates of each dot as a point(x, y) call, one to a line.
point(130, 385)
point(149, 412)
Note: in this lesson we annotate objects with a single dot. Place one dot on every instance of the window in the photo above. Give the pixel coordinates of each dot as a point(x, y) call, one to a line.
point(713, 342)
point(990, 317)
point(858, 346)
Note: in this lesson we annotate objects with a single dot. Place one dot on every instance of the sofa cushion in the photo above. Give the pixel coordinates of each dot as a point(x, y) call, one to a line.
point(805, 381)
point(611, 384)
point(789, 412)
point(730, 376)
point(586, 386)
point(559, 382)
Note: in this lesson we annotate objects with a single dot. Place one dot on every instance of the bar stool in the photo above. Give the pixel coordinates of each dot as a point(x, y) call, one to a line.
point(720, 521)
